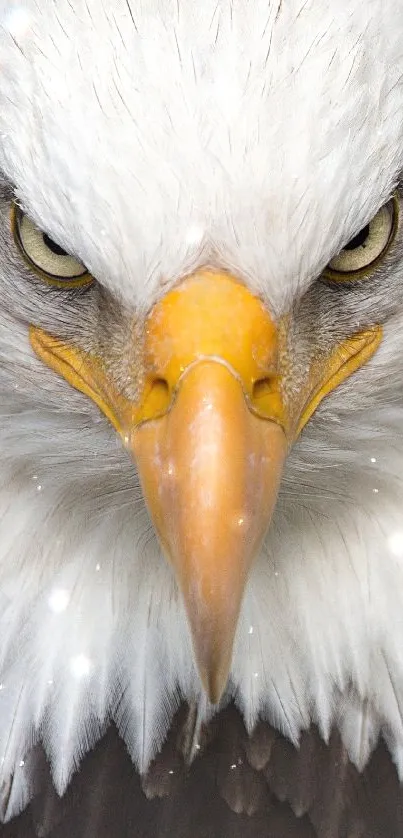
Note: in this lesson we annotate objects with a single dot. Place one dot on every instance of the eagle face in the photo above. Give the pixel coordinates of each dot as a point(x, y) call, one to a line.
point(200, 371)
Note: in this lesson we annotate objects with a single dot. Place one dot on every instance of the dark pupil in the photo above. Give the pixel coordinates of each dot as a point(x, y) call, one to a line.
point(53, 246)
point(358, 240)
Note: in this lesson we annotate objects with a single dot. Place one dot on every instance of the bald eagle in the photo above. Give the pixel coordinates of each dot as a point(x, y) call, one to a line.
point(201, 406)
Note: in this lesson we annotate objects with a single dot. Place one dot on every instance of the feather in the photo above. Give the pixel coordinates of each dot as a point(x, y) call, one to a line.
point(312, 792)
point(228, 70)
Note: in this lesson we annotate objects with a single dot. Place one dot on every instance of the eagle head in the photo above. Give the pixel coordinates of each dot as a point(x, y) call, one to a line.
point(201, 328)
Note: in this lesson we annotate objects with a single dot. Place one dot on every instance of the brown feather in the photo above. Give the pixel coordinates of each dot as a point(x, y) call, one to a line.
point(238, 786)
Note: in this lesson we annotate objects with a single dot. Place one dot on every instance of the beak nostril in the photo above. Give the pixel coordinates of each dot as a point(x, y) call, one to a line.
point(266, 399)
point(263, 387)
point(158, 399)
point(160, 386)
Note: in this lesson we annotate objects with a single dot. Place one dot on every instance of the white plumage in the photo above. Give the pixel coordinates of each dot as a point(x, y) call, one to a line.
point(151, 139)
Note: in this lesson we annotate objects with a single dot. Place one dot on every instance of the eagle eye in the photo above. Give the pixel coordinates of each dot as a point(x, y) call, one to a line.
point(44, 256)
point(366, 248)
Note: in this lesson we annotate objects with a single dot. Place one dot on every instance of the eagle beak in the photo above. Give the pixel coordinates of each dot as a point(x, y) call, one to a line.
point(209, 431)
point(210, 446)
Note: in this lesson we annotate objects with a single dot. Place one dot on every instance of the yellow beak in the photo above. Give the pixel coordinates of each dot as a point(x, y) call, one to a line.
point(209, 434)
point(210, 471)
point(210, 465)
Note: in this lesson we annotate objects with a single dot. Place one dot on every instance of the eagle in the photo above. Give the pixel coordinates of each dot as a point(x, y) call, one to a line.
point(201, 407)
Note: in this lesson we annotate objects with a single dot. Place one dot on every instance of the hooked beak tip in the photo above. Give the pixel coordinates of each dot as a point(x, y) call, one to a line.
point(214, 675)
point(214, 685)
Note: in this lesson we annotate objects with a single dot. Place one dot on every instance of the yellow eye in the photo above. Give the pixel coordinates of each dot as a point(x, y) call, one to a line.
point(367, 248)
point(44, 256)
